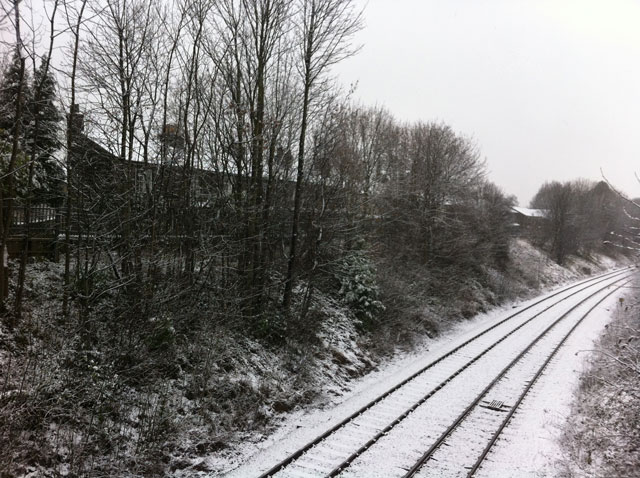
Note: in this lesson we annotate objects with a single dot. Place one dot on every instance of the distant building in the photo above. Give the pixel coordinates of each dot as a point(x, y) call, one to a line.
point(526, 222)
point(103, 176)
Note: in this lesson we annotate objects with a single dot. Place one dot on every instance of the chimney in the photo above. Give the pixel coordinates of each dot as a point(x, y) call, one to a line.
point(76, 119)
point(170, 129)
point(171, 137)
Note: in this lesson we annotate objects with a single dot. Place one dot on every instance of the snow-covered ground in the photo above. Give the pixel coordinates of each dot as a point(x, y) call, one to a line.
point(531, 444)
point(539, 419)
point(303, 426)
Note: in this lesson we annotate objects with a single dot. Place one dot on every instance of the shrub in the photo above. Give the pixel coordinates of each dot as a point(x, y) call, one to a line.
point(358, 287)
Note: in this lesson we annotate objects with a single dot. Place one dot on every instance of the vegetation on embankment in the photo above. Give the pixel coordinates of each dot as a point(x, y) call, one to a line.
point(163, 396)
point(602, 434)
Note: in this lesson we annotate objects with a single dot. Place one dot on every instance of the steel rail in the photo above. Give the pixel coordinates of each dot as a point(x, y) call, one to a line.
point(342, 466)
point(301, 451)
point(440, 440)
point(530, 385)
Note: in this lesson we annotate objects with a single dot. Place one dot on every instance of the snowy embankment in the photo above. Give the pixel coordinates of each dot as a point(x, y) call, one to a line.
point(206, 403)
point(602, 436)
point(300, 426)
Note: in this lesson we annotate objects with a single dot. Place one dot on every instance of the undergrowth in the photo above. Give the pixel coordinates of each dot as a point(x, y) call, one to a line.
point(602, 435)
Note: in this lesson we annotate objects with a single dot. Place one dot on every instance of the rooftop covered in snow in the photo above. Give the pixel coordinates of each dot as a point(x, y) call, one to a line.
point(529, 212)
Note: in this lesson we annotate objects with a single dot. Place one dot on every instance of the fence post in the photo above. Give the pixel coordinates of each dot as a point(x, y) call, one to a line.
point(56, 235)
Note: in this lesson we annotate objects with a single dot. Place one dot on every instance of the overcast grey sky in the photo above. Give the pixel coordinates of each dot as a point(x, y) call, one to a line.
point(548, 89)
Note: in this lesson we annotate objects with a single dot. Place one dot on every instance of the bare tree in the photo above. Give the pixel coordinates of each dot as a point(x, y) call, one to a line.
point(323, 31)
point(74, 18)
point(443, 170)
point(559, 201)
point(42, 142)
point(7, 188)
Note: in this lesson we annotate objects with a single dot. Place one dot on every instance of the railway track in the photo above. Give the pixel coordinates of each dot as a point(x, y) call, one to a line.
point(480, 425)
point(426, 394)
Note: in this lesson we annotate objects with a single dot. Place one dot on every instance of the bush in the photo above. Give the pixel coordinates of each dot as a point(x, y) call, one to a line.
point(358, 287)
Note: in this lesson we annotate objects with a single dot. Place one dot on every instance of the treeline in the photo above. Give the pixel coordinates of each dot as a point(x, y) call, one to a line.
point(213, 164)
point(214, 167)
point(584, 217)
point(218, 188)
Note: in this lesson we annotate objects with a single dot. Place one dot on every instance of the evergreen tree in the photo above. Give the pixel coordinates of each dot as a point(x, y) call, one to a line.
point(49, 175)
point(9, 92)
point(39, 140)
point(9, 86)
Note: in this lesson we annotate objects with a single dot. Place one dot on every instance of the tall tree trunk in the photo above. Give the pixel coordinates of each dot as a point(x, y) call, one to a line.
point(256, 228)
point(326, 27)
point(288, 284)
point(36, 131)
point(6, 203)
point(71, 121)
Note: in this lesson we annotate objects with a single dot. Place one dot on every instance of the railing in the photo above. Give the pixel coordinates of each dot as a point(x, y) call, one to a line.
point(37, 215)
point(33, 230)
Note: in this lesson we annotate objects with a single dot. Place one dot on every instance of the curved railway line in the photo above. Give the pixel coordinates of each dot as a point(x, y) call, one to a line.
point(516, 375)
point(519, 340)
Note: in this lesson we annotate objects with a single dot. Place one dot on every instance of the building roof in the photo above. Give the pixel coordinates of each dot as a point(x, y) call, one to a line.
point(530, 212)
